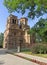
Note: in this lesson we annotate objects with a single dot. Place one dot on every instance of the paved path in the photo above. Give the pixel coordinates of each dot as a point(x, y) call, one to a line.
point(7, 59)
point(41, 59)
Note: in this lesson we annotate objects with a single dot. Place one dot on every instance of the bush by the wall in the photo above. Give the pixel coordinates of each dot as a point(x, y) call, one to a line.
point(25, 49)
point(39, 48)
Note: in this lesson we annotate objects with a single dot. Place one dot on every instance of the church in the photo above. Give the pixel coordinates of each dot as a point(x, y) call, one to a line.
point(16, 33)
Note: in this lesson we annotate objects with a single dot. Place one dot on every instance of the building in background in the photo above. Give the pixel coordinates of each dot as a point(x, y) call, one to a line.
point(16, 33)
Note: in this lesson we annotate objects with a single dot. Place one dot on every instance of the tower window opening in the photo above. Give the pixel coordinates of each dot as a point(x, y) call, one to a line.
point(20, 26)
point(13, 21)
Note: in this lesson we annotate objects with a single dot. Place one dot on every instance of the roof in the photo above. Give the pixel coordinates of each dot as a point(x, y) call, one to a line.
point(23, 18)
point(12, 15)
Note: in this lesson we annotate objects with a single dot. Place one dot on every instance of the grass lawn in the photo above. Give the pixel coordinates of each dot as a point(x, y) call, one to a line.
point(40, 55)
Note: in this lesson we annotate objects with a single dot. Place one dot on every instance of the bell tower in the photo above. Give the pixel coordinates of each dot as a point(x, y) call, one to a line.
point(11, 32)
point(12, 22)
point(23, 21)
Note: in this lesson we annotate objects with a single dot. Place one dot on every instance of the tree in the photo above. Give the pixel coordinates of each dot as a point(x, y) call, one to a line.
point(1, 39)
point(40, 30)
point(35, 7)
point(43, 29)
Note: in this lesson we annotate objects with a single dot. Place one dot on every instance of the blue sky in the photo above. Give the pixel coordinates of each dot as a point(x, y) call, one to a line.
point(4, 14)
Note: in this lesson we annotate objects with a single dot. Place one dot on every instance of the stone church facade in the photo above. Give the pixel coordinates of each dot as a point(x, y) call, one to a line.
point(16, 33)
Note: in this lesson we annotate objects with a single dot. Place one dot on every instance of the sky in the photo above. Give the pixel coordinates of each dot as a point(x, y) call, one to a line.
point(4, 14)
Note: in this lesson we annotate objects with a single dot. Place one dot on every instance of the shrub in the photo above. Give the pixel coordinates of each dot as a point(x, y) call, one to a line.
point(25, 49)
point(39, 48)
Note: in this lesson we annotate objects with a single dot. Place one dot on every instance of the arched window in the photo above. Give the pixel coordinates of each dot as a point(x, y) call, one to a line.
point(20, 26)
point(13, 21)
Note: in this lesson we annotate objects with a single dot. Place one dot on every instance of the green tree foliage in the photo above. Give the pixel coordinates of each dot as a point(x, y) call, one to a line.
point(1, 39)
point(35, 7)
point(40, 30)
